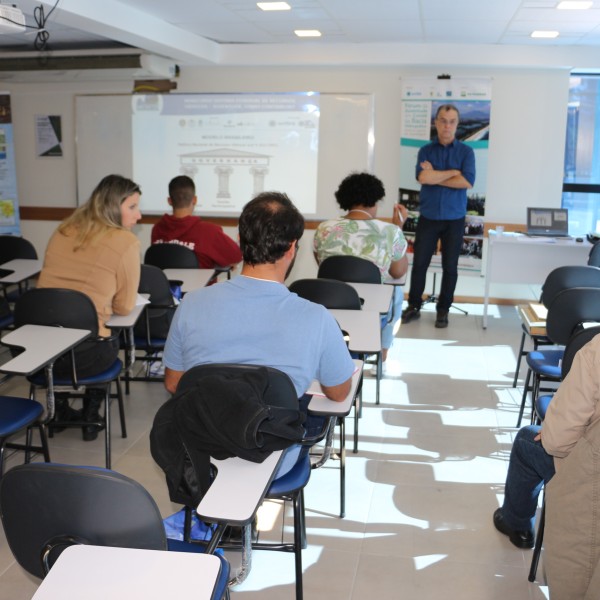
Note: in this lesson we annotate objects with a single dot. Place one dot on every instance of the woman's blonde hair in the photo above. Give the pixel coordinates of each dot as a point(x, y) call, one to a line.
point(102, 212)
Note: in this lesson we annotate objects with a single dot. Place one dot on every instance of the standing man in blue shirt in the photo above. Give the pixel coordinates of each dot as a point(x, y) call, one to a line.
point(445, 170)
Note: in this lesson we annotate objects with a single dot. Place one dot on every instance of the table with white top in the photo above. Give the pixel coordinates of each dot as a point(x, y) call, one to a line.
point(363, 328)
point(22, 269)
point(127, 323)
point(43, 345)
point(518, 258)
point(101, 572)
point(191, 279)
point(375, 296)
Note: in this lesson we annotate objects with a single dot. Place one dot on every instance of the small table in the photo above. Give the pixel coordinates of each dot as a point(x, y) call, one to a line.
point(127, 322)
point(321, 405)
point(517, 258)
point(375, 296)
point(43, 345)
point(101, 572)
point(191, 279)
point(22, 269)
point(363, 327)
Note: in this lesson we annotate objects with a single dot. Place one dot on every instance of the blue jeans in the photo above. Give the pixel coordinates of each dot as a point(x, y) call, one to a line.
point(395, 312)
point(528, 469)
point(450, 235)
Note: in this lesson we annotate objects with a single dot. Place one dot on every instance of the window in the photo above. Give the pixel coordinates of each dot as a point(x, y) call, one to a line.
point(581, 181)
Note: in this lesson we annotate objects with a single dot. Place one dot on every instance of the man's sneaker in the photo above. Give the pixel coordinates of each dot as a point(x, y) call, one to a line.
point(441, 321)
point(410, 313)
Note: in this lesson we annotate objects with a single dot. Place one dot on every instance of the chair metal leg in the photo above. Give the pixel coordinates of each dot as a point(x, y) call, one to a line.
point(357, 415)
point(519, 357)
point(121, 408)
point(44, 442)
point(539, 538)
point(342, 425)
point(107, 426)
point(524, 397)
point(378, 379)
point(298, 539)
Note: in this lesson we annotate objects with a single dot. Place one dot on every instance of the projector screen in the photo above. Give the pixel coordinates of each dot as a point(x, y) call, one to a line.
point(232, 145)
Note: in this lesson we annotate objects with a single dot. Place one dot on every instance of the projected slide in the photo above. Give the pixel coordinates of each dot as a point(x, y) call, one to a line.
point(233, 146)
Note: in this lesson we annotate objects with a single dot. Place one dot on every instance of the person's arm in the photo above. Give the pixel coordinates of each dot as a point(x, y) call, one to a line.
point(574, 404)
point(335, 362)
point(223, 250)
point(337, 393)
point(172, 379)
point(398, 268)
point(128, 280)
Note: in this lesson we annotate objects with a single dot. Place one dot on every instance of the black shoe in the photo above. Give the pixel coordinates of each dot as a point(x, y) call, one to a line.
point(410, 313)
point(64, 413)
point(441, 320)
point(521, 539)
point(91, 412)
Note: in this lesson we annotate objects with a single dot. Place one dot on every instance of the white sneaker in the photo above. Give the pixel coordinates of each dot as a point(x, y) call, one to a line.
point(383, 369)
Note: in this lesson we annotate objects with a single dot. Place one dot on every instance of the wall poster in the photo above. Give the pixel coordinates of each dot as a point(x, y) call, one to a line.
point(420, 101)
point(9, 205)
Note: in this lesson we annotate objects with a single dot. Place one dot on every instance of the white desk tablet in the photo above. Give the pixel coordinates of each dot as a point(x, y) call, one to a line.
point(102, 573)
point(363, 327)
point(375, 296)
point(23, 268)
point(192, 278)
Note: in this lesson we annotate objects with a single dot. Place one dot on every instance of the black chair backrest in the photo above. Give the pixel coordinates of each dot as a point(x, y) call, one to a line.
point(328, 292)
point(577, 341)
point(564, 278)
point(594, 255)
point(280, 392)
point(159, 312)
point(350, 268)
point(46, 503)
point(56, 307)
point(170, 256)
point(569, 309)
point(12, 247)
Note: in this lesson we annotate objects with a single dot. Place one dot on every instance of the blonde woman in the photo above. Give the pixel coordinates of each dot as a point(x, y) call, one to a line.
point(93, 251)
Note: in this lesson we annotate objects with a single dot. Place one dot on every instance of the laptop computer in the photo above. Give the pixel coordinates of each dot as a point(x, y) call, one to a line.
point(549, 222)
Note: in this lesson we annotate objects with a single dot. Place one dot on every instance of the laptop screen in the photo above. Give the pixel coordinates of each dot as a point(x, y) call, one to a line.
point(547, 221)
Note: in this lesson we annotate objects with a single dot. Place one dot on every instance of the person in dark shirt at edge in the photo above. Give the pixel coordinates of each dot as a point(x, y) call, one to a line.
point(209, 242)
point(446, 170)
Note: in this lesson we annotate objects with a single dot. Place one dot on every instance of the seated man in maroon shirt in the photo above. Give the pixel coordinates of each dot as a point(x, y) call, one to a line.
point(212, 246)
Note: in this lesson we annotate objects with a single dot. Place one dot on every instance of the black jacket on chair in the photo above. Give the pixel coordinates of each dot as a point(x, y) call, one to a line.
point(220, 416)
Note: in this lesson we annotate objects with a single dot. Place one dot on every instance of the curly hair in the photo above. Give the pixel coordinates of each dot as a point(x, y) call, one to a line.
point(268, 225)
point(359, 189)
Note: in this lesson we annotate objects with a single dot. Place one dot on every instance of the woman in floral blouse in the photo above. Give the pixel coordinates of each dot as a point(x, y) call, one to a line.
point(360, 233)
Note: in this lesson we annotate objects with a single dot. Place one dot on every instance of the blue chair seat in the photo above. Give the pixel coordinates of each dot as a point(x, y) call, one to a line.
point(295, 479)
point(541, 405)
point(17, 413)
point(546, 363)
point(142, 342)
point(109, 374)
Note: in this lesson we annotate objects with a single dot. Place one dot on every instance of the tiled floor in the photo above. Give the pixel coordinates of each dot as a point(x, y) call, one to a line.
point(421, 491)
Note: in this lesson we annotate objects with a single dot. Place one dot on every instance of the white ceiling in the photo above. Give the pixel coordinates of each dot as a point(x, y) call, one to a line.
point(209, 31)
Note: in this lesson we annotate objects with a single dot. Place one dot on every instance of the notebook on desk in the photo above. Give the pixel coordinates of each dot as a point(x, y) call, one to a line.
point(548, 222)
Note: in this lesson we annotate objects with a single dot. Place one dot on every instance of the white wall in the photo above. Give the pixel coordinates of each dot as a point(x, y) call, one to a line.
point(529, 108)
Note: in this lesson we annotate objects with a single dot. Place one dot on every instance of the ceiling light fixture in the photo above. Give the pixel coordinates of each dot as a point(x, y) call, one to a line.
point(574, 5)
point(307, 32)
point(273, 6)
point(544, 34)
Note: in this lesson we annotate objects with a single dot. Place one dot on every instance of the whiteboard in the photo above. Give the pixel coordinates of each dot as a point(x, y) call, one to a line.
point(104, 145)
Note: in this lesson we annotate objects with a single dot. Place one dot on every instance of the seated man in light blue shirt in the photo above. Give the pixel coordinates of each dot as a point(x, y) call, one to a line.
point(254, 319)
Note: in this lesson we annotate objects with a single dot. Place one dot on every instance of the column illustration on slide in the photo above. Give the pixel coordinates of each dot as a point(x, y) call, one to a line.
point(225, 164)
